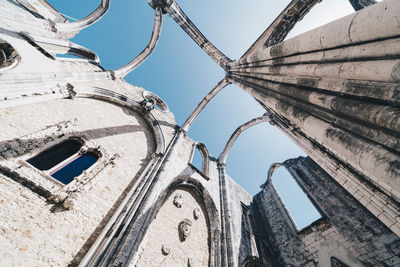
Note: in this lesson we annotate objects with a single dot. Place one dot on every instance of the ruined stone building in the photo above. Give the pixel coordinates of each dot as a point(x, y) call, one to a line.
point(118, 187)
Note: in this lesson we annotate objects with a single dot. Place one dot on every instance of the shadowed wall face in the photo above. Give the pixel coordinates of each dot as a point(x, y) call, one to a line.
point(347, 231)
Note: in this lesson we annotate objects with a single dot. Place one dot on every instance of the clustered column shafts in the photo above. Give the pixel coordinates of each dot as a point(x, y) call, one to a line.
point(339, 86)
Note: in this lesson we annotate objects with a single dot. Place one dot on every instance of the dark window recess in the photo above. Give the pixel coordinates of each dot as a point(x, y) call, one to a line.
point(54, 155)
point(337, 263)
point(67, 172)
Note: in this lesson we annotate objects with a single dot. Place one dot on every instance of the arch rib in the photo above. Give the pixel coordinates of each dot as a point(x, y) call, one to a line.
point(188, 26)
point(237, 132)
point(158, 18)
point(271, 170)
point(189, 121)
point(95, 16)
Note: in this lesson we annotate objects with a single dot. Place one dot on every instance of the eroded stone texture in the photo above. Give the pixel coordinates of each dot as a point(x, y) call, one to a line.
point(347, 231)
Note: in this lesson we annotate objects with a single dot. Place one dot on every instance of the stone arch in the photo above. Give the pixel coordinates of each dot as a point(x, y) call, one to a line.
point(92, 18)
point(211, 216)
point(97, 93)
point(126, 102)
point(9, 57)
point(237, 132)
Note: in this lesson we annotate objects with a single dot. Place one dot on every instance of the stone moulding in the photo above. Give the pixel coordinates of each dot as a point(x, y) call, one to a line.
point(9, 57)
point(13, 164)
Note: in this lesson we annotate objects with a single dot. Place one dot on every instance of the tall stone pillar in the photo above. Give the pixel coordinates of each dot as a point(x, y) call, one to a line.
point(335, 91)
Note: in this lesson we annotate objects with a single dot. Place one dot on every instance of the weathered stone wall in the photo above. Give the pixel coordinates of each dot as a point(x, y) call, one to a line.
point(347, 231)
point(32, 226)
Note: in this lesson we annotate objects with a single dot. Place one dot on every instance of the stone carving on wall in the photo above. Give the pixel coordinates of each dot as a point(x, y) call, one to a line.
point(337, 263)
point(196, 213)
point(165, 250)
point(13, 156)
point(184, 228)
point(178, 200)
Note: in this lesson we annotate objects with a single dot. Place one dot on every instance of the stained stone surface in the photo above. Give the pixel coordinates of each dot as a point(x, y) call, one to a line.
point(333, 90)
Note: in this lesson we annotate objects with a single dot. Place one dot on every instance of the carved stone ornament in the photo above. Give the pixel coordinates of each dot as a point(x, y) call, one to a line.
point(196, 213)
point(190, 262)
point(184, 228)
point(178, 200)
point(15, 153)
point(165, 250)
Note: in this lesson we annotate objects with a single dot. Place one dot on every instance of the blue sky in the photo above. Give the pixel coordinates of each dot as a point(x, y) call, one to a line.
point(182, 74)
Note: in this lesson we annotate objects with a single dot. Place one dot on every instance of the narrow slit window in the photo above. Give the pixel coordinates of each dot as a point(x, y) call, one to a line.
point(51, 157)
point(299, 206)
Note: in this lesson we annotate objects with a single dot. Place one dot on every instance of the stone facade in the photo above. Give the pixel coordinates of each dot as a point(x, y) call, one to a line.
point(143, 203)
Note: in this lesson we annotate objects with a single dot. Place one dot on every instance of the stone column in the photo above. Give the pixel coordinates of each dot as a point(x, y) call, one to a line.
point(335, 91)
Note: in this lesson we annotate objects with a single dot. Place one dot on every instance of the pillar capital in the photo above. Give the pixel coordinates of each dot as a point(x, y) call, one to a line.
point(163, 4)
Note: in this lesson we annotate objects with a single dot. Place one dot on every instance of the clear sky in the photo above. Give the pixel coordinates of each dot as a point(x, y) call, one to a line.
point(182, 74)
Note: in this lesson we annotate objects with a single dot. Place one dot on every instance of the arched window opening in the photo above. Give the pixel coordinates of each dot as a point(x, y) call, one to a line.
point(199, 158)
point(298, 205)
point(64, 161)
point(54, 155)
